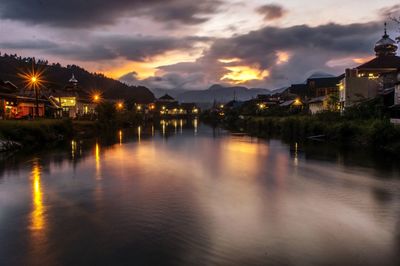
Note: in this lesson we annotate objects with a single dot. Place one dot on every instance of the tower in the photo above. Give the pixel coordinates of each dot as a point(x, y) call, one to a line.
point(385, 46)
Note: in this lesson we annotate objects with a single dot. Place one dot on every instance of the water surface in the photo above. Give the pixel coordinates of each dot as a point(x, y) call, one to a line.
point(182, 193)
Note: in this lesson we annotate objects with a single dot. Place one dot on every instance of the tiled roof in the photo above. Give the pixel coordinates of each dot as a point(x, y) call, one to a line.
point(382, 62)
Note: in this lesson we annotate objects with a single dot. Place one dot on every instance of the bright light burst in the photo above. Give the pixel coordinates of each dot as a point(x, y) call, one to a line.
point(33, 78)
point(96, 96)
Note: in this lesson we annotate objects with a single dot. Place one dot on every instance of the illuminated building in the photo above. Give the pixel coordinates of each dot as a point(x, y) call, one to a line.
point(14, 104)
point(370, 79)
point(73, 101)
point(168, 106)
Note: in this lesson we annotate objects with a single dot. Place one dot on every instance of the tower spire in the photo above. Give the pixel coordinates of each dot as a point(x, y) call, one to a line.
point(385, 29)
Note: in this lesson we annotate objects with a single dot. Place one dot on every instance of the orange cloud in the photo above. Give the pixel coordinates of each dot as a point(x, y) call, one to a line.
point(242, 74)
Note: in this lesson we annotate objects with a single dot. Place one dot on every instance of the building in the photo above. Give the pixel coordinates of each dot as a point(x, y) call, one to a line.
point(15, 105)
point(318, 105)
point(395, 108)
point(167, 105)
point(371, 78)
point(73, 101)
point(323, 86)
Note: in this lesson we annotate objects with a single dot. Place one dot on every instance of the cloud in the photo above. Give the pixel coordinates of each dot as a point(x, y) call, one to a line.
point(142, 48)
point(388, 13)
point(172, 80)
point(271, 11)
point(308, 49)
point(108, 47)
point(93, 13)
point(28, 44)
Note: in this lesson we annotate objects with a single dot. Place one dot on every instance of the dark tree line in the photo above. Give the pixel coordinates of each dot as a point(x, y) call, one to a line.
point(57, 76)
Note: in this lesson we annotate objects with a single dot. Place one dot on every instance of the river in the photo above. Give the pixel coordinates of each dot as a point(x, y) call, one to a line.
point(183, 193)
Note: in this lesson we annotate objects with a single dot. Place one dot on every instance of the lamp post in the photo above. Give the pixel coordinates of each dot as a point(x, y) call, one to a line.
point(34, 85)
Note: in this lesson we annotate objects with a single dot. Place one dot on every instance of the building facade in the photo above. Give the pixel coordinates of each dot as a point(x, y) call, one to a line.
point(370, 79)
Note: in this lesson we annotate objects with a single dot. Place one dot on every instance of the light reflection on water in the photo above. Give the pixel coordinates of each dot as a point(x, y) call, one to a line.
point(180, 193)
point(37, 216)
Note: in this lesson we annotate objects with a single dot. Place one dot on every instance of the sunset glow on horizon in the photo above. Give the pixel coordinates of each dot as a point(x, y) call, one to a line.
point(141, 43)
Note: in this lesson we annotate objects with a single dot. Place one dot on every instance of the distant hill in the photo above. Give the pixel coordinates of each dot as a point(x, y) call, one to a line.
point(220, 93)
point(57, 76)
point(173, 92)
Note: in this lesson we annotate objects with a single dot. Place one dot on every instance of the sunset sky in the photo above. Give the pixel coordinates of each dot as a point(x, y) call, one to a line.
point(193, 44)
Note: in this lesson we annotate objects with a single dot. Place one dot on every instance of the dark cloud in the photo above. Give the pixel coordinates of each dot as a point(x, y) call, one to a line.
point(28, 44)
point(271, 11)
point(97, 48)
point(310, 50)
point(388, 13)
point(92, 13)
point(143, 48)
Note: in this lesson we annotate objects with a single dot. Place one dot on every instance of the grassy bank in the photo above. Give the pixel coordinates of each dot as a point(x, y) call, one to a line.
point(378, 134)
point(45, 131)
point(36, 132)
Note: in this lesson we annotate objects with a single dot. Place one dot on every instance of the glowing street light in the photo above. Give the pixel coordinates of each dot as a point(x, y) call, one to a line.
point(33, 80)
point(297, 102)
point(120, 105)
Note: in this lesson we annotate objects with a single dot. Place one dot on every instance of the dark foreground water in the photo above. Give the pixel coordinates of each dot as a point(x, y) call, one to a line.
point(185, 194)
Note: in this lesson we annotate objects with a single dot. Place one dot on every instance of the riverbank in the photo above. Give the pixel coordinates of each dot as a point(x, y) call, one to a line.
point(378, 134)
point(42, 132)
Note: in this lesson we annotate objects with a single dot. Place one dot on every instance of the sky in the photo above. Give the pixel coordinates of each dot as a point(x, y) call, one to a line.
point(184, 44)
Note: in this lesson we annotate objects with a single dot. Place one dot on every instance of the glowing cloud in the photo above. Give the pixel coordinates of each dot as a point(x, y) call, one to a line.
point(242, 74)
point(283, 57)
point(228, 60)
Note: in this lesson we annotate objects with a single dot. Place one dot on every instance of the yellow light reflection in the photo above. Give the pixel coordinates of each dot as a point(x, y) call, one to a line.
point(73, 148)
point(139, 132)
point(97, 159)
point(37, 215)
point(241, 74)
point(195, 125)
point(176, 126)
point(120, 137)
point(163, 127)
point(296, 154)
point(181, 125)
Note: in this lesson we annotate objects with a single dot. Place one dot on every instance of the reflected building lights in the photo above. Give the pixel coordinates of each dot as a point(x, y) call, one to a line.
point(296, 154)
point(181, 125)
point(176, 126)
point(120, 137)
point(163, 127)
point(195, 125)
point(139, 132)
point(73, 149)
point(152, 131)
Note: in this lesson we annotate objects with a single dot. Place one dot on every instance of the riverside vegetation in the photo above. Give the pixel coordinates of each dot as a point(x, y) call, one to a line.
point(44, 132)
point(366, 124)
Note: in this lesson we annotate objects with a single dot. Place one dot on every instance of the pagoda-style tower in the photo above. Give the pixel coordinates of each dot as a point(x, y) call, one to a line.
point(386, 46)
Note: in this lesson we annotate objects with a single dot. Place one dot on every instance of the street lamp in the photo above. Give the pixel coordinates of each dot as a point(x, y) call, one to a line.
point(96, 98)
point(34, 81)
